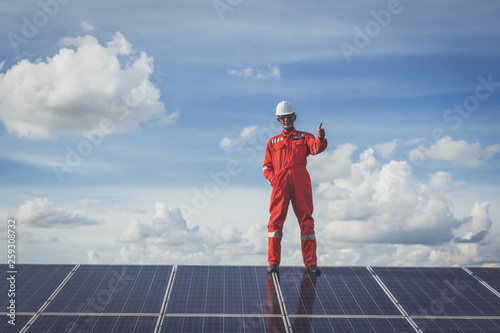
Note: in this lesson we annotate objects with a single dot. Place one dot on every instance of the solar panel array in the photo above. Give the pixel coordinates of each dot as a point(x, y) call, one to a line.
point(166, 298)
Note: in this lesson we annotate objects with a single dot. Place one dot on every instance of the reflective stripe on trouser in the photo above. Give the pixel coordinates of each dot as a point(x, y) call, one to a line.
point(292, 185)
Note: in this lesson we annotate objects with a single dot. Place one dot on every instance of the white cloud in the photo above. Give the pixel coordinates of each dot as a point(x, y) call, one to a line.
point(440, 179)
point(168, 119)
point(93, 258)
point(331, 165)
point(457, 152)
point(42, 213)
point(386, 149)
point(385, 204)
point(246, 134)
point(87, 27)
point(478, 224)
point(165, 238)
point(258, 73)
point(443, 180)
point(79, 88)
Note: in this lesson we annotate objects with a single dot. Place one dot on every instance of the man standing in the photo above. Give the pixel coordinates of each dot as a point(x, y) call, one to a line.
point(285, 168)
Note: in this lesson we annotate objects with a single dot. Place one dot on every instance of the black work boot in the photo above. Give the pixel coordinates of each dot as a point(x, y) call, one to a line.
point(313, 269)
point(273, 268)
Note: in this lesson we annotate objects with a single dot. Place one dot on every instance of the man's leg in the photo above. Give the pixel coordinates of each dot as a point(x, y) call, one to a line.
point(280, 199)
point(302, 203)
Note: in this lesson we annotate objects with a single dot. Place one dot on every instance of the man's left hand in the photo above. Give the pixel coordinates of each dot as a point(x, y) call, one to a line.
point(321, 131)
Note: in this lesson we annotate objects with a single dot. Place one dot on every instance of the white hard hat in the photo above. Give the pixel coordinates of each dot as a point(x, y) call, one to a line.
point(283, 108)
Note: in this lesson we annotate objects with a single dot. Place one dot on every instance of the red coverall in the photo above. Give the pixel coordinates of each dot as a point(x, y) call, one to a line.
point(285, 168)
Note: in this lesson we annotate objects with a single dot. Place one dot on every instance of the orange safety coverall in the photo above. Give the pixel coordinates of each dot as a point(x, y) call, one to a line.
point(285, 168)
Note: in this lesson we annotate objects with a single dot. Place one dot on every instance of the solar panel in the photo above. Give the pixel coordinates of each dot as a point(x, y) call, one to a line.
point(33, 285)
point(347, 325)
point(338, 291)
point(94, 324)
point(489, 275)
point(113, 289)
point(223, 290)
point(129, 298)
point(460, 325)
point(439, 291)
point(211, 324)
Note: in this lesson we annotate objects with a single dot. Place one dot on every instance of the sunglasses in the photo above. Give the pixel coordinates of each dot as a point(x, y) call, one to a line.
point(288, 116)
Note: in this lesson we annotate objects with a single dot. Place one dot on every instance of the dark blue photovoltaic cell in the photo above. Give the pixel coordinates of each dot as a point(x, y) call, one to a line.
point(459, 325)
point(180, 324)
point(489, 275)
point(439, 291)
point(34, 284)
point(223, 290)
point(337, 291)
point(113, 289)
point(94, 324)
point(20, 321)
point(348, 325)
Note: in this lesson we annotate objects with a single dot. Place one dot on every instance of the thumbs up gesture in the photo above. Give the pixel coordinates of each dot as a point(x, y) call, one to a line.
point(321, 131)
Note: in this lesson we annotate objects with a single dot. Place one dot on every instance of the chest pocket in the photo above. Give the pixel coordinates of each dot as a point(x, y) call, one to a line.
point(299, 148)
point(279, 145)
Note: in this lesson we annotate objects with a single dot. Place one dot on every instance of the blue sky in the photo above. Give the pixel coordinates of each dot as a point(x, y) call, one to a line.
point(134, 132)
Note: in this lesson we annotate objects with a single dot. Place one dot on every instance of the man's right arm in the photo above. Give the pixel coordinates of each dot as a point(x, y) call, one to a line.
point(268, 168)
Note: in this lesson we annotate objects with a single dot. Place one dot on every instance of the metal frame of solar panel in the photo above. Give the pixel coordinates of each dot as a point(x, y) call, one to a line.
point(164, 298)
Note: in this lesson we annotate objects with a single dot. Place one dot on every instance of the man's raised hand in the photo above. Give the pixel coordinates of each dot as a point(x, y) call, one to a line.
point(321, 131)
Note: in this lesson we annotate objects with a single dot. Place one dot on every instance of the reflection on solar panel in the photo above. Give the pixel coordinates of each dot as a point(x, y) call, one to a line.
point(221, 290)
point(338, 291)
point(159, 298)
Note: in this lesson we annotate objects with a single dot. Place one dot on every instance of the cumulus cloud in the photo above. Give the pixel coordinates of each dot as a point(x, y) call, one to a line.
point(440, 179)
point(477, 225)
point(77, 89)
point(332, 165)
point(93, 258)
point(246, 134)
point(167, 238)
point(258, 73)
point(386, 204)
point(42, 213)
point(386, 149)
point(86, 26)
point(457, 152)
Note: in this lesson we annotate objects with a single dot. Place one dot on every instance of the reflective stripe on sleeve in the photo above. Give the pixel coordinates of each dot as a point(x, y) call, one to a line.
point(308, 237)
point(274, 234)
